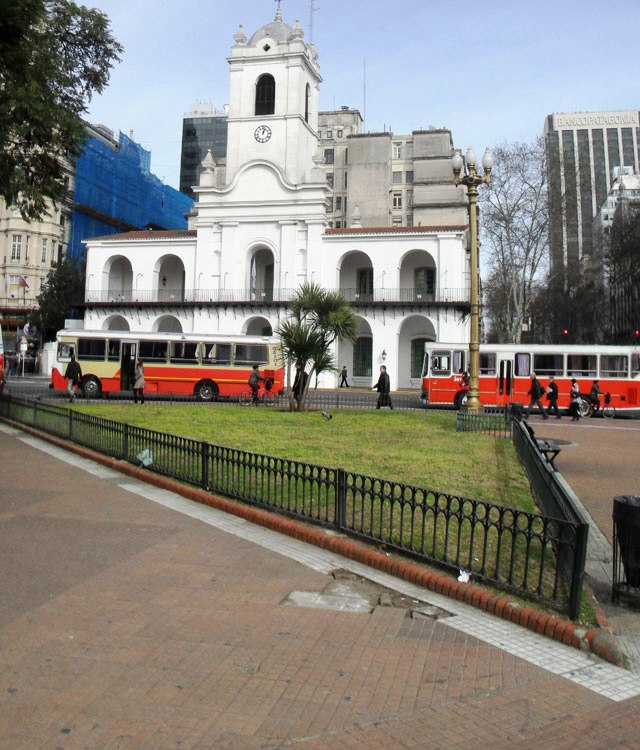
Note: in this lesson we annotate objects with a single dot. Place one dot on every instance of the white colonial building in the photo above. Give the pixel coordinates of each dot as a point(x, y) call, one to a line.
point(259, 229)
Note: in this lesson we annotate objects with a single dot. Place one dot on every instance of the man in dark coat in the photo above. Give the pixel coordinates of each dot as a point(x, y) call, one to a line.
point(383, 386)
point(552, 396)
point(73, 373)
point(535, 392)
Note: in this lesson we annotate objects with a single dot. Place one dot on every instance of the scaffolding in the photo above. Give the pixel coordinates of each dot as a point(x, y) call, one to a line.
point(115, 192)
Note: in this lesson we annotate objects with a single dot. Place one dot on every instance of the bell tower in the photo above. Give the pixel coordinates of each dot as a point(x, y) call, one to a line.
point(273, 101)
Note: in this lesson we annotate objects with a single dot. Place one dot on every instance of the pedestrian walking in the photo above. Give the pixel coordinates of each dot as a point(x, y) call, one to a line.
point(138, 385)
point(73, 373)
point(383, 386)
point(299, 382)
point(535, 393)
point(575, 401)
point(552, 397)
point(343, 376)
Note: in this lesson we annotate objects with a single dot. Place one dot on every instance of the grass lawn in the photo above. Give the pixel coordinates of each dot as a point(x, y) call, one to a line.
point(416, 448)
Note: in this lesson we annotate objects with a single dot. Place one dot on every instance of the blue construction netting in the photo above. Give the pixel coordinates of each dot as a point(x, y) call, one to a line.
point(116, 192)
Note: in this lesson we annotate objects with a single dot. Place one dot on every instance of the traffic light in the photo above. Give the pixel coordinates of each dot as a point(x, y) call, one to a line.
point(565, 331)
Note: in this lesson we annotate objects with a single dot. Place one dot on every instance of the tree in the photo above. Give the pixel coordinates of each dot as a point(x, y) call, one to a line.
point(54, 55)
point(317, 318)
point(63, 286)
point(514, 229)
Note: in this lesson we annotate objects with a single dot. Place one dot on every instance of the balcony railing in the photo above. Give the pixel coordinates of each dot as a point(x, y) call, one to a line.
point(403, 295)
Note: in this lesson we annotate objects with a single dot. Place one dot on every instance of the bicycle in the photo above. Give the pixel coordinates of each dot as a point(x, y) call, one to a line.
point(606, 411)
point(265, 396)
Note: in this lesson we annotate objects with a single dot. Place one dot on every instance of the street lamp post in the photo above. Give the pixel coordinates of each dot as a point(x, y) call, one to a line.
point(471, 180)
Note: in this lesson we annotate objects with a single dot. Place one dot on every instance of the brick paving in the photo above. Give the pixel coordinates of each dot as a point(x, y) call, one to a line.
point(126, 624)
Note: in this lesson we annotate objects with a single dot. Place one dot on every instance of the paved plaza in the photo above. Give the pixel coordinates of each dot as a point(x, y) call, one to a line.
point(132, 617)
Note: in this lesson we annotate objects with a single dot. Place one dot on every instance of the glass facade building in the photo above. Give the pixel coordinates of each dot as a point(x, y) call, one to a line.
point(583, 150)
point(203, 129)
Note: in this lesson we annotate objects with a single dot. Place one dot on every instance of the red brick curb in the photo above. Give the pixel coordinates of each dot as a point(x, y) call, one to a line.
point(551, 626)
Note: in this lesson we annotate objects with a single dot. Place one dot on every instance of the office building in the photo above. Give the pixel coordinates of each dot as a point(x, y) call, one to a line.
point(583, 151)
point(203, 129)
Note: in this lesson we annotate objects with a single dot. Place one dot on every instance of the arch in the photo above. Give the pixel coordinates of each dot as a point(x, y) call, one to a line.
point(118, 278)
point(357, 355)
point(418, 275)
point(414, 331)
point(115, 323)
point(356, 276)
point(169, 274)
point(258, 326)
point(167, 324)
point(265, 95)
point(261, 273)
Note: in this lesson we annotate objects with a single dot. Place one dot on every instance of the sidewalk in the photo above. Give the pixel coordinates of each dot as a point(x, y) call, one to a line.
point(134, 618)
point(599, 460)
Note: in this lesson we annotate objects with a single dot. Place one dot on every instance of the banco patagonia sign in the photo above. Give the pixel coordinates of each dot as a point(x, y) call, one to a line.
point(596, 119)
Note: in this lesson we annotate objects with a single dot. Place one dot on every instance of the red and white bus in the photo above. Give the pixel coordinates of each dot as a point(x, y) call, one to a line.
point(200, 365)
point(505, 373)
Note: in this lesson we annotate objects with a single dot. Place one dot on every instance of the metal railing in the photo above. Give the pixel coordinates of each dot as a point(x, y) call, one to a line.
point(496, 422)
point(530, 554)
point(403, 295)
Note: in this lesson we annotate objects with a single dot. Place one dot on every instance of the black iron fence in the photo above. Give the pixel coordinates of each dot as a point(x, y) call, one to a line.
point(530, 554)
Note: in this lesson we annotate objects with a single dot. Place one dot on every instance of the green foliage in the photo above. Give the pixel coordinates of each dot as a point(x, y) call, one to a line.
point(317, 318)
point(64, 284)
point(54, 55)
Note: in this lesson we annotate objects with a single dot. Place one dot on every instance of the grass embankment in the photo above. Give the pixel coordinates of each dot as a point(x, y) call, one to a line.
point(416, 448)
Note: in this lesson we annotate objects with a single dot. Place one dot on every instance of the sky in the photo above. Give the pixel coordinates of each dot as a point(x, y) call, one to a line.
point(488, 71)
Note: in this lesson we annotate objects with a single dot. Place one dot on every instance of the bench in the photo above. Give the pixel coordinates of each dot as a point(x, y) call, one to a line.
point(548, 448)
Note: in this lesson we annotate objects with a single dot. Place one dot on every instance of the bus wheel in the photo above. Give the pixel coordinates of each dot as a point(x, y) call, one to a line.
point(460, 400)
point(91, 388)
point(206, 391)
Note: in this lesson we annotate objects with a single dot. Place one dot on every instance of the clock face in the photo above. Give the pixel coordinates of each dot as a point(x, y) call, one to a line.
point(262, 133)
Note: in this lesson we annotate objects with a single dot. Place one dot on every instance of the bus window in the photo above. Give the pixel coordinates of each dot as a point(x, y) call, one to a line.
point(458, 362)
point(522, 365)
point(635, 364)
point(548, 364)
point(251, 354)
point(65, 351)
point(113, 350)
point(153, 351)
point(184, 353)
point(220, 354)
point(581, 365)
point(487, 363)
point(614, 366)
point(441, 363)
point(91, 349)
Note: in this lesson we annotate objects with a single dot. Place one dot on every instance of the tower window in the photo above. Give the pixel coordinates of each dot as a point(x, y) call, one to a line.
point(265, 95)
point(307, 98)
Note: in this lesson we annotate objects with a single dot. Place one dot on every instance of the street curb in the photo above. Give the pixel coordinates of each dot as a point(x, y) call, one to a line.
point(551, 626)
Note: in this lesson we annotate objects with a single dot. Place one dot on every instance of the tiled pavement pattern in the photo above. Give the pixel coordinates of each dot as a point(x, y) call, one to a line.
point(126, 623)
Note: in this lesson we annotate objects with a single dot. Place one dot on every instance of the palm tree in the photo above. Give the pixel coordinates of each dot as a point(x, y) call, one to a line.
point(317, 318)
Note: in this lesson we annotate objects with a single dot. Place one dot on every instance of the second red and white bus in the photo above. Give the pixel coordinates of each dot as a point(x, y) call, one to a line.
point(505, 373)
point(204, 366)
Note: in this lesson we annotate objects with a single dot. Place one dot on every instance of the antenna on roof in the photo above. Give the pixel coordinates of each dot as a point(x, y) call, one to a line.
point(312, 10)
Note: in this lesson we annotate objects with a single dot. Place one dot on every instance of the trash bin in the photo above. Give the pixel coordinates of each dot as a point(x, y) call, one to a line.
point(626, 532)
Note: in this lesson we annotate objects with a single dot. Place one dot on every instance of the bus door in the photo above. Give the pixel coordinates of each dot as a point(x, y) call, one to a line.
point(128, 355)
point(504, 381)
